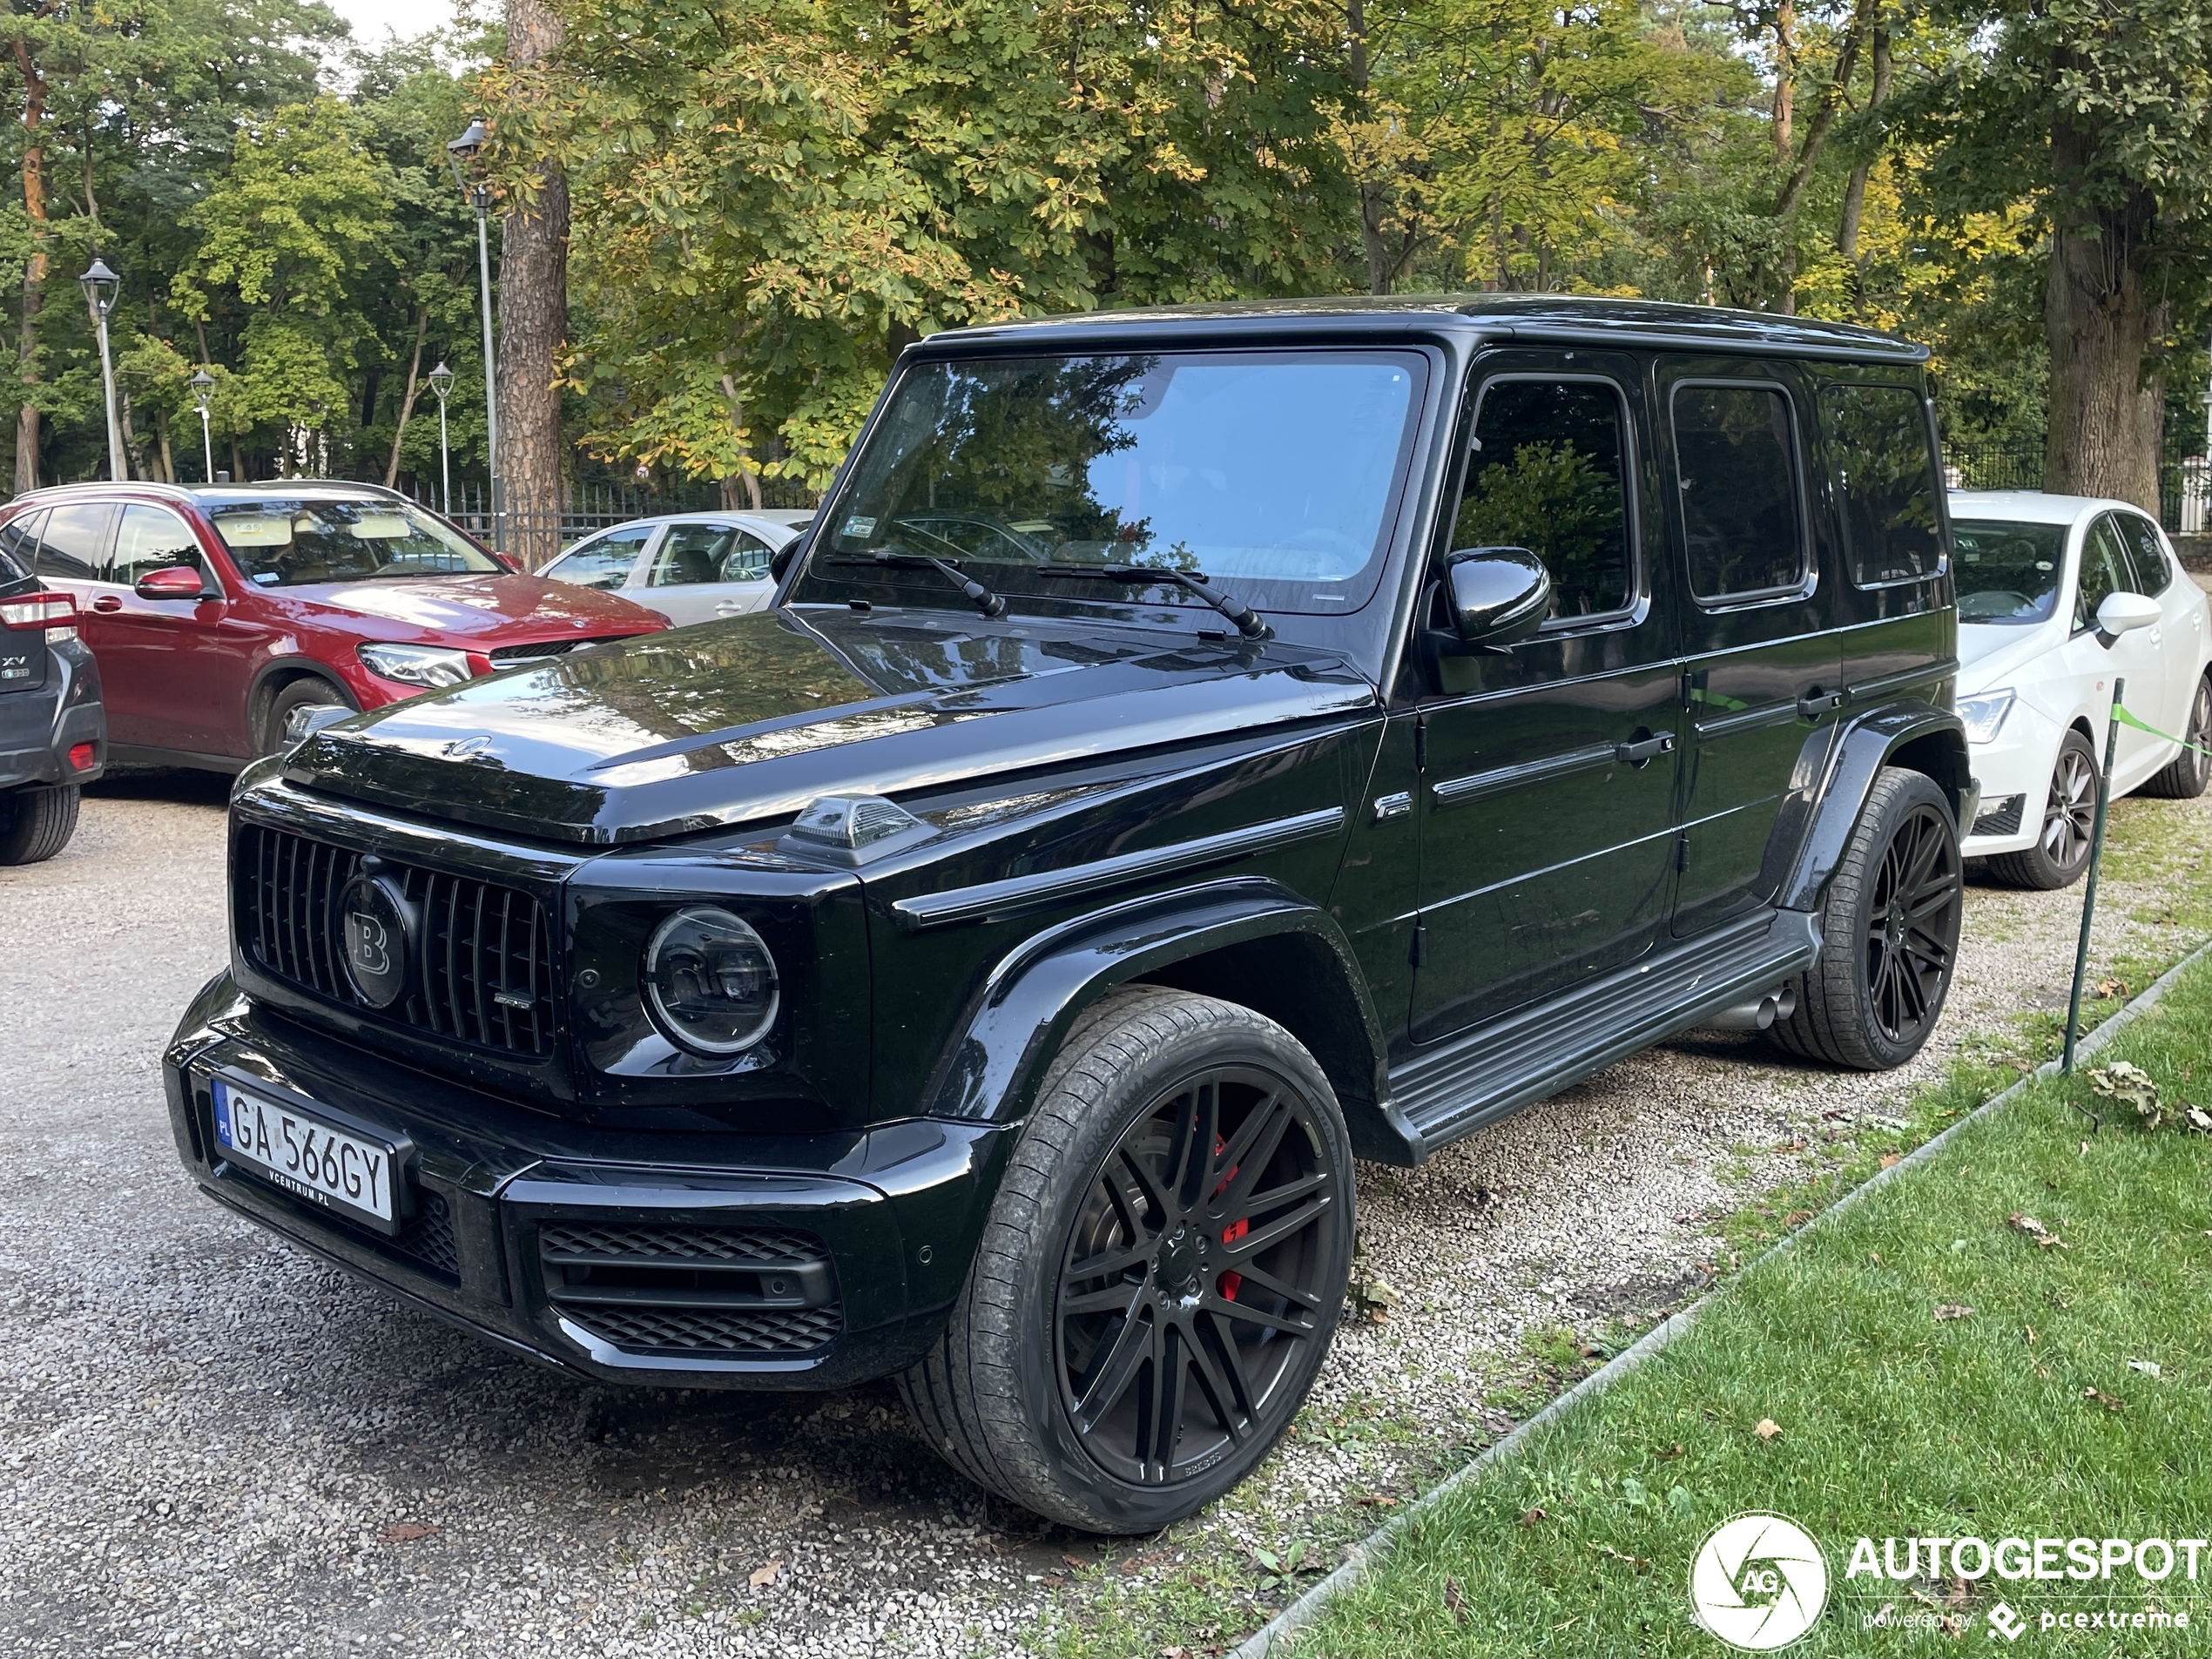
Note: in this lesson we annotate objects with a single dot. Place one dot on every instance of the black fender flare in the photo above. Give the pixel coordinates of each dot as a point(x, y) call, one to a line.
point(1907, 732)
point(1211, 937)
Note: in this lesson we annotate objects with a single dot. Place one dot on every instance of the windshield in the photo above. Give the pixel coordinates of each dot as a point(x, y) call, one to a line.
point(2007, 573)
point(1275, 473)
point(281, 543)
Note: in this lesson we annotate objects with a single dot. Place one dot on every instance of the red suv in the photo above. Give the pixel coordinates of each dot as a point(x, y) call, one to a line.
point(221, 616)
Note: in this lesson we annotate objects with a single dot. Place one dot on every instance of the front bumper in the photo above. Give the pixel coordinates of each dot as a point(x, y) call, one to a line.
point(500, 1194)
point(2015, 773)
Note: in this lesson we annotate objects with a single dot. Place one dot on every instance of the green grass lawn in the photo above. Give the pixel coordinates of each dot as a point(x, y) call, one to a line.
point(2073, 1400)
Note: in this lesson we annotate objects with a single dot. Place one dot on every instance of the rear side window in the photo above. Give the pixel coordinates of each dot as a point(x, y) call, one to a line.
point(603, 562)
point(697, 553)
point(1547, 473)
point(20, 546)
point(2154, 570)
point(73, 547)
point(1735, 460)
point(1886, 482)
point(151, 538)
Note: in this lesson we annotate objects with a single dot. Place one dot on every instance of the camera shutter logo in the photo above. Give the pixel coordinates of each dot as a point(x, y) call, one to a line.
point(379, 927)
point(1758, 1582)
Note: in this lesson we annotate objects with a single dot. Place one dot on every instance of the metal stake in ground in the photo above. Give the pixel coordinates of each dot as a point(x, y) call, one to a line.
point(2089, 888)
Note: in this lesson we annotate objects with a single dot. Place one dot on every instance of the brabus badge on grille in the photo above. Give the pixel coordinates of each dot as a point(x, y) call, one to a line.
point(380, 929)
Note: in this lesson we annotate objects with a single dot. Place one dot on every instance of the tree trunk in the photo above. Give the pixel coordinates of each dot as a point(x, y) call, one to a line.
point(533, 324)
point(2105, 413)
point(34, 268)
point(407, 403)
point(161, 435)
point(1855, 192)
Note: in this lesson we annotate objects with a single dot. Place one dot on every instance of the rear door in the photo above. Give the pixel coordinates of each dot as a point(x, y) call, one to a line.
point(1547, 780)
point(2107, 567)
point(1761, 670)
point(74, 546)
point(2178, 641)
point(704, 571)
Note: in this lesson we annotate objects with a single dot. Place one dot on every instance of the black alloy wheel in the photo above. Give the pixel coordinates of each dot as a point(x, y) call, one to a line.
point(2185, 776)
point(2060, 852)
point(1888, 932)
point(1912, 926)
point(1162, 1270)
point(1198, 1265)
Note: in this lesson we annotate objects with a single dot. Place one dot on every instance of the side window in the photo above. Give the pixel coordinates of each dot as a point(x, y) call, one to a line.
point(19, 544)
point(1548, 472)
point(73, 545)
point(1736, 459)
point(2154, 570)
point(748, 559)
point(1886, 482)
point(151, 538)
point(693, 553)
point(603, 562)
point(2104, 571)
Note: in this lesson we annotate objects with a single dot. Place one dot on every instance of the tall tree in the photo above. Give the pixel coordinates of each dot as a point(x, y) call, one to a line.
point(534, 315)
point(2099, 114)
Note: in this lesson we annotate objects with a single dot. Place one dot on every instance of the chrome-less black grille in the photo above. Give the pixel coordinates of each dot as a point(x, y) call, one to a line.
point(483, 962)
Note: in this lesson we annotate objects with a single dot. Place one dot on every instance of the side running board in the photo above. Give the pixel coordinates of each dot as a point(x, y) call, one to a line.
point(1496, 1068)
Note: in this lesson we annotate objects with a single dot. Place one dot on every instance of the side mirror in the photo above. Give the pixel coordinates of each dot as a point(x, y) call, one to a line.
point(2123, 613)
point(1499, 595)
point(171, 581)
point(780, 560)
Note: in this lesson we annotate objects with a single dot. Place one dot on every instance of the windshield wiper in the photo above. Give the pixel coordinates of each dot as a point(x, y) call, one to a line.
point(1246, 621)
point(988, 602)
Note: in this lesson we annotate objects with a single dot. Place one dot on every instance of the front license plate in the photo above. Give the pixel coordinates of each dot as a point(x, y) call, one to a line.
point(308, 1157)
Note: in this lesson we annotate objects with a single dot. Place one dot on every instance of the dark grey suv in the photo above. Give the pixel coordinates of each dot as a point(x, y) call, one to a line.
point(53, 734)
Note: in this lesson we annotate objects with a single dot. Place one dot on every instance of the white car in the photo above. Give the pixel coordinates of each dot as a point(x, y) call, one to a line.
point(689, 567)
point(2060, 597)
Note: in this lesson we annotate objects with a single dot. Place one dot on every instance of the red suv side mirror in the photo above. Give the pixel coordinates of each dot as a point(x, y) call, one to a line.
point(170, 582)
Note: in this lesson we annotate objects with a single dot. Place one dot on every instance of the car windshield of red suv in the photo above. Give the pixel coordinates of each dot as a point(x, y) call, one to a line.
point(292, 543)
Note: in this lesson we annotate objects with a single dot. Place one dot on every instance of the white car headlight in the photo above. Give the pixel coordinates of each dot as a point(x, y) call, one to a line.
point(427, 665)
point(1983, 715)
point(710, 980)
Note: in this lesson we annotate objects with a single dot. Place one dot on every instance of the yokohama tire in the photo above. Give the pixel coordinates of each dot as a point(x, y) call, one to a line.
point(2183, 777)
point(1106, 1264)
point(2060, 852)
point(1890, 934)
point(37, 823)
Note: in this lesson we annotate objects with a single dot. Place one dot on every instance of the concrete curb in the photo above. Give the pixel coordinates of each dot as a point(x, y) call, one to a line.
point(1378, 1543)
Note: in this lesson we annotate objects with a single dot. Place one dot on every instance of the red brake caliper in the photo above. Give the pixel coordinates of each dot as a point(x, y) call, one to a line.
point(1235, 1230)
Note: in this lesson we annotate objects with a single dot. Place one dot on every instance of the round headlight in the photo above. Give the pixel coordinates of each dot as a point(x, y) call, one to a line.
point(711, 981)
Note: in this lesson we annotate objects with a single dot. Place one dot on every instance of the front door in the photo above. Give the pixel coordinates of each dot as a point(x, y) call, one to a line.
point(1547, 780)
point(183, 666)
point(2136, 657)
point(1762, 674)
point(703, 572)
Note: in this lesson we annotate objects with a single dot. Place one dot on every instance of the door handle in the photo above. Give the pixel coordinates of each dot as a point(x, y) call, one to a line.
point(1641, 751)
point(1815, 703)
point(107, 602)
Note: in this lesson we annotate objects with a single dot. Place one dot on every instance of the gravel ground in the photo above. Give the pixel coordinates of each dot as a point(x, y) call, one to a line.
point(216, 1445)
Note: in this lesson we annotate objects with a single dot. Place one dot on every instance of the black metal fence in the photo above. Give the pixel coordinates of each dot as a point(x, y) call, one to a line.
point(594, 507)
point(2182, 482)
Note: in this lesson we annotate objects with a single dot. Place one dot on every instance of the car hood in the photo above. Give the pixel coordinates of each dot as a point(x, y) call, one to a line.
point(747, 720)
point(477, 611)
point(1992, 653)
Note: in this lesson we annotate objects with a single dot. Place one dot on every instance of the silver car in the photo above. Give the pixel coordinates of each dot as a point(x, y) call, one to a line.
point(689, 567)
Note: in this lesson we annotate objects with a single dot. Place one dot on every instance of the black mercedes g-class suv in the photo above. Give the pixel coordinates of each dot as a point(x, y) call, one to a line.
point(1196, 749)
point(53, 728)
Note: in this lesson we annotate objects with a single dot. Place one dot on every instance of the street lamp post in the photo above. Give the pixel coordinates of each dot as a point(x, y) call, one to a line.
point(203, 392)
point(466, 148)
point(442, 382)
point(101, 286)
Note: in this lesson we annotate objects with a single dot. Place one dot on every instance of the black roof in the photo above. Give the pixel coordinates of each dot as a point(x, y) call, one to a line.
point(1535, 317)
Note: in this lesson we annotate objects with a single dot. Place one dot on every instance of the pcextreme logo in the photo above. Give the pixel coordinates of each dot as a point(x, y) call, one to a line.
point(1758, 1581)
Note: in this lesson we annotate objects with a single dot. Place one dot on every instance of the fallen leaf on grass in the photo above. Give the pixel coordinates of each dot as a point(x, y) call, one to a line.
point(2112, 987)
point(2043, 1237)
point(1952, 1310)
point(1076, 1562)
point(2149, 1367)
point(1767, 1429)
point(765, 1575)
point(2198, 1119)
point(1797, 1218)
point(1530, 1517)
point(2132, 1084)
point(1376, 1501)
point(1890, 1159)
point(2109, 1402)
point(1453, 1600)
point(407, 1531)
point(1137, 1564)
